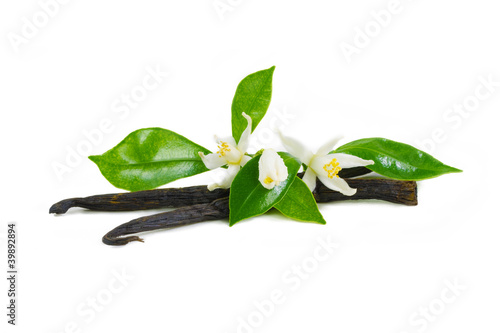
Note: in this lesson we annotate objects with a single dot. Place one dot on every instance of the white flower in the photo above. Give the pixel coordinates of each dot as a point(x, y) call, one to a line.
point(323, 165)
point(230, 154)
point(272, 169)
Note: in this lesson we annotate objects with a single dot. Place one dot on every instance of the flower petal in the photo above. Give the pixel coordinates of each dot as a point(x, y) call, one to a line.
point(212, 161)
point(272, 169)
point(350, 161)
point(296, 148)
point(321, 165)
point(281, 169)
point(244, 160)
point(245, 136)
point(228, 151)
point(328, 146)
point(337, 184)
point(310, 179)
point(232, 170)
point(213, 186)
point(228, 139)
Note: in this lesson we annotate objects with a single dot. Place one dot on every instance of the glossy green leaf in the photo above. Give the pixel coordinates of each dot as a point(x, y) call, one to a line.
point(249, 198)
point(299, 203)
point(150, 157)
point(253, 96)
point(396, 160)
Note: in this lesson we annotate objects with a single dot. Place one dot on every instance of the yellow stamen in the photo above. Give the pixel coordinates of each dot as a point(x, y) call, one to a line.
point(223, 149)
point(332, 168)
point(268, 180)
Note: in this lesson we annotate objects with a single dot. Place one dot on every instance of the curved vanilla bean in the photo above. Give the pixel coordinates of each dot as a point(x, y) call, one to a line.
point(396, 191)
point(159, 198)
point(216, 210)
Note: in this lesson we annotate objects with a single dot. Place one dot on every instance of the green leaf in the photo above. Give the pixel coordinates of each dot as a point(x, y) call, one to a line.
point(249, 198)
point(253, 96)
point(396, 160)
point(299, 203)
point(150, 157)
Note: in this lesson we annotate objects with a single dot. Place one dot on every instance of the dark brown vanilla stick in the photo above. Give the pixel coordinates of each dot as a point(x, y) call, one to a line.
point(142, 200)
point(216, 210)
point(160, 198)
point(396, 191)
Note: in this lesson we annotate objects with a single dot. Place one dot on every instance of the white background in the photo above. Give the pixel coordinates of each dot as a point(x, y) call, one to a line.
point(392, 263)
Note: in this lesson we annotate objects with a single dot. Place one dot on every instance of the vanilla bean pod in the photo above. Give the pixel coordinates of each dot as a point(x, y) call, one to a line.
point(396, 191)
point(142, 200)
point(159, 198)
point(215, 210)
